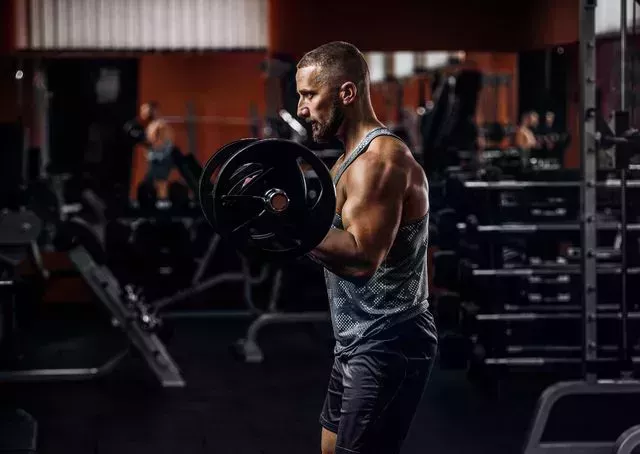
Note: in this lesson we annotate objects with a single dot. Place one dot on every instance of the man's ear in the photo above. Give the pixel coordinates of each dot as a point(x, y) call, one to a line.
point(348, 92)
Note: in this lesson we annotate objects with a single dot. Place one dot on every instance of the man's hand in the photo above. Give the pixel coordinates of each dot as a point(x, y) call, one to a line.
point(371, 215)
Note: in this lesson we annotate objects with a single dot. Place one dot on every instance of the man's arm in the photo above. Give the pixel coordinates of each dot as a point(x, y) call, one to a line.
point(371, 216)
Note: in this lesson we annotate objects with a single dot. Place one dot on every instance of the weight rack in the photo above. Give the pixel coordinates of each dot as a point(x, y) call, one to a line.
point(630, 438)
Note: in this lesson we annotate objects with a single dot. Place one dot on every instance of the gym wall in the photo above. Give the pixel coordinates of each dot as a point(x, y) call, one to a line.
point(291, 21)
point(481, 26)
point(7, 31)
point(485, 62)
point(221, 84)
point(8, 92)
point(608, 72)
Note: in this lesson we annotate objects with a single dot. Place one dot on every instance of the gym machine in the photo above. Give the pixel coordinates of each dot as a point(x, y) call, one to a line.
point(18, 240)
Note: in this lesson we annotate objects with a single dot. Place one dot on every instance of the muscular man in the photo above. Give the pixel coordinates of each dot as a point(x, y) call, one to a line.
point(525, 138)
point(375, 259)
point(136, 128)
point(159, 155)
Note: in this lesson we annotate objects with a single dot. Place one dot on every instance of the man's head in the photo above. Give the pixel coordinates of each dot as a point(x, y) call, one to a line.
point(148, 111)
point(333, 82)
point(534, 119)
point(549, 118)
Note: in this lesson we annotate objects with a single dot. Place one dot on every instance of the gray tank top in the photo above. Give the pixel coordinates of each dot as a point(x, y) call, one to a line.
point(396, 293)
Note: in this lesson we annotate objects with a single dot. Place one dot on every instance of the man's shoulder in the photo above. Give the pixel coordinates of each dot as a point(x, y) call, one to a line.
point(383, 164)
point(387, 149)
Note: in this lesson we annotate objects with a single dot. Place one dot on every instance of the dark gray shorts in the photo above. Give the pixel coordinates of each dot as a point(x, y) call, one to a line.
point(373, 396)
point(159, 170)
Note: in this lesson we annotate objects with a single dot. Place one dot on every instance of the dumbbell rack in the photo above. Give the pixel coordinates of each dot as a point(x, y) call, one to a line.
point(592, 312)
point(557, 309)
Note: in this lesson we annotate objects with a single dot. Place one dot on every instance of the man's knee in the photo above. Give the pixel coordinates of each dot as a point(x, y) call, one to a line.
point(328, 442)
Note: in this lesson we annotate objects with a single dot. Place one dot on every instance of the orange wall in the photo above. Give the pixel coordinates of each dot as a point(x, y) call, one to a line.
point(503, 63)
point(6, 26)
point(551, 22)
point(384, 94)
point(218, 84)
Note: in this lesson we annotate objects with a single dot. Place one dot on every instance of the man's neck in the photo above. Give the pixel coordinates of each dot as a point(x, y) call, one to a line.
point(353, 132)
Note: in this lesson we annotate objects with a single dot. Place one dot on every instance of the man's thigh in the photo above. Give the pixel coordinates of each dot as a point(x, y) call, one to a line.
point(330, 414)
point(382, 390)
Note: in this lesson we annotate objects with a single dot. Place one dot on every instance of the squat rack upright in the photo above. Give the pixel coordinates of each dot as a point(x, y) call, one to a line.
point(589, 142)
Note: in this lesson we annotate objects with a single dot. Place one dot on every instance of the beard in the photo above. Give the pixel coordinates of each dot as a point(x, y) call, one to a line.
point(325, 132)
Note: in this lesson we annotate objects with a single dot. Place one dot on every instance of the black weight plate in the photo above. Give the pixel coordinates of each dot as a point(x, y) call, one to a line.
point(19, 229)
point(210, 172)
point(256, 227)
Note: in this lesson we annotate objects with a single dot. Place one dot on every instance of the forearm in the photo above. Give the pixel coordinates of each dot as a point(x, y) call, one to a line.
point(339, 253)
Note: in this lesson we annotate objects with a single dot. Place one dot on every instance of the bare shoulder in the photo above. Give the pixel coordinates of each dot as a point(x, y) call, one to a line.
point(385, 152)
point(390, 155)
point(389, 174)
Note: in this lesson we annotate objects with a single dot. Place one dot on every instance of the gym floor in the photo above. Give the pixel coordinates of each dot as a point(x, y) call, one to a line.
point(229, 406)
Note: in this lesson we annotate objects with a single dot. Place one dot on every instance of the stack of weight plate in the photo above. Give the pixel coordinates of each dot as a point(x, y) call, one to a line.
point(519, 272)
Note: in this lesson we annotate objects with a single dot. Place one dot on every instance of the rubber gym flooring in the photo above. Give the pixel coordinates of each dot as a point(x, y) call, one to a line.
point(232, 407)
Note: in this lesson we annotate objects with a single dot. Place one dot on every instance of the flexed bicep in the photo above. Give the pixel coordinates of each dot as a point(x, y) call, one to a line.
point(373, 209)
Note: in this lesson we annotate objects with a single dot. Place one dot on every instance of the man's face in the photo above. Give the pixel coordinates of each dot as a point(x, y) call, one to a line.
point(534, 119)
point(318, 105)
point(550, 118)
point(145, 112)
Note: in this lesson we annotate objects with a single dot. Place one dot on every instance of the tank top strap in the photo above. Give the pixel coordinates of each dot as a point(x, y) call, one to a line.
point(361, 148)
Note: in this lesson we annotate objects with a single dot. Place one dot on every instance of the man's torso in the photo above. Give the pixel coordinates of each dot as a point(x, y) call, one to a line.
point(363, 313)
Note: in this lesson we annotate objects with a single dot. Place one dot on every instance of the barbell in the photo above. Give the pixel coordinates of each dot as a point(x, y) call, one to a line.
point(273, 199)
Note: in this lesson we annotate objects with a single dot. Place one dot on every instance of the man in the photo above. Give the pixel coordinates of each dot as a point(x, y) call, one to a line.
point(534, 121)
point(549, 121)
point(547, 135)
point(159, 156)
point(525, 138)
point(375, 260)
point(136, 128)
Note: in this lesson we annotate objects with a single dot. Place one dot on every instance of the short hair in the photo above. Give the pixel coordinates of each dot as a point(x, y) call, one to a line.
point(339, 62)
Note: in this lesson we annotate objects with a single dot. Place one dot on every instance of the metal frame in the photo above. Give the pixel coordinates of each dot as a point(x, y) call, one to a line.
point(553, 394)
point(198, 285)
point(590, 386)
point(62, 374)
point(548, 271)
point(41, 374)
point(249, 348)
point(107, 289)
point(513, 227)
point(513, 184)
point(628, 441)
